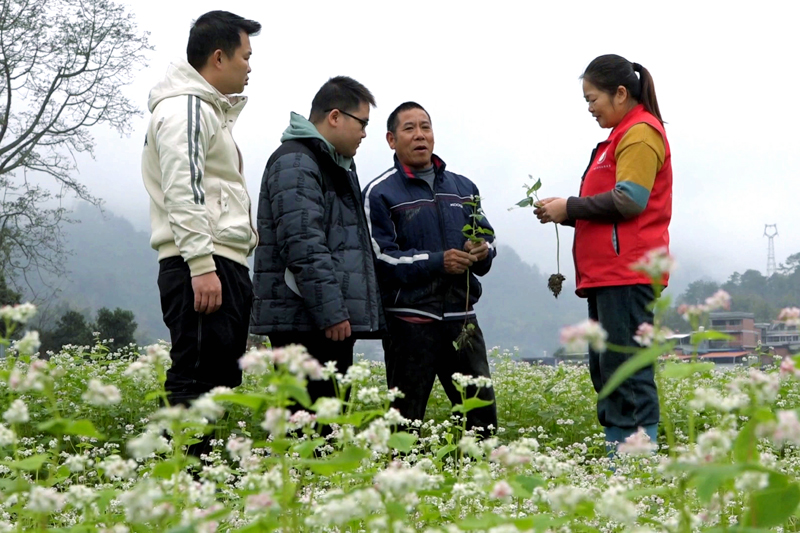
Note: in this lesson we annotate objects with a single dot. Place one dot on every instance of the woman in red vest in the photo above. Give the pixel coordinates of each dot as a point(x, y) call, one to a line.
point(623, 211)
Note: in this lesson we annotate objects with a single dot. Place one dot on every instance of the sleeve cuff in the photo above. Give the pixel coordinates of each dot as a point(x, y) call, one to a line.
point(436, 261)
point(202, 265)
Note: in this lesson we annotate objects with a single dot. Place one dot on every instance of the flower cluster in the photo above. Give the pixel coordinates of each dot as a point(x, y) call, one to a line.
point(647, 334)
point(790, 316)
point(101, 395)
point(296, 359)
point(656, 264)
point(20, 313)
point(718, 300)
point(575, 338)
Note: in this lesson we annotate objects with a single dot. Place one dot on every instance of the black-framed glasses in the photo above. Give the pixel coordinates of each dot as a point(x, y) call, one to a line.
point(364, 123)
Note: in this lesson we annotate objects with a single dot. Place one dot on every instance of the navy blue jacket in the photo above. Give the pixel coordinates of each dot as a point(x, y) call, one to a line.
point(411, 228)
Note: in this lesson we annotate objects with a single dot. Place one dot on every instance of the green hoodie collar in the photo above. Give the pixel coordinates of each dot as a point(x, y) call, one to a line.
point(302, 128)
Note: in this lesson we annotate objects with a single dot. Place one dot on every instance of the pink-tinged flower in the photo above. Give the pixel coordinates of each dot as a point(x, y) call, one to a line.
point(590, 332)
point(790, 316)
point(638, 444)
point(254, 362)
point(688, 312)
point(656, 263)
point(647, 334)
point(719, 300)
point(257, 503)
point(501, 490)
point(275, 420)
point(788, 367)
point(787, 429)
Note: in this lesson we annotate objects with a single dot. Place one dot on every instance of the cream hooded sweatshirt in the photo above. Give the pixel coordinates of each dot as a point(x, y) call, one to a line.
point(192, 169)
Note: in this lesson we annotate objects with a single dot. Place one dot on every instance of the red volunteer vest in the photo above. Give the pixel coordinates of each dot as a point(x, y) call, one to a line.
point(604, 251)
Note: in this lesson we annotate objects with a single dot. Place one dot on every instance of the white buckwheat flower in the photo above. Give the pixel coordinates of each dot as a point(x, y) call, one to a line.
point(255, 362)
point(719, 300)
point(206, 407)
point(29, 344)
point(656, 263)
point(275, 420)
point(647, 334)
point(148, 443)
point(115, 467)
point(157, 355)
point(18, 313)
point(501, 490)
point(239, 448)
point(790, 316)
point(328, 407)
point(45, 500)
point(101, 395)
point(637, 444)
point(7, 436)
point(258, 503)
point(17, 413)
point(587, 332)
point(787, 429)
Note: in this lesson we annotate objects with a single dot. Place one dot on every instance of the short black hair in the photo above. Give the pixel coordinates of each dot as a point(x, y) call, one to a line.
point(217, 30)
point(391, 124)
point(342, 93)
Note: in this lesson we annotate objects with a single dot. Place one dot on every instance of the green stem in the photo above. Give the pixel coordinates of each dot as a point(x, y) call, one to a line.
point(558, 252)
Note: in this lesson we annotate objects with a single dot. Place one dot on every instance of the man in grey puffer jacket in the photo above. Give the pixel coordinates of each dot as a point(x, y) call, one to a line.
point(314, 280)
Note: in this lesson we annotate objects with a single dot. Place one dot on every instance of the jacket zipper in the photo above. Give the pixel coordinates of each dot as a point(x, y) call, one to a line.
point(615, 239)
point(442, 231)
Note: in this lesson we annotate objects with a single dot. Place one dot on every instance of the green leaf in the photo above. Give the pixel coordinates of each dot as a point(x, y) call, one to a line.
point(32, 463)
point(537, 185)
point(684, 370)
point(402, 441)
point(486, 521)
point(709, 478)
point(306, 448)
point(527, 202)
point(470, 404)
point(640, 360)
point(444, 450)
point(396, 510)
point(772, 507)
point(166, 469)
point(346, 461)
point(150, 396)
point(298, 393)
point(82, 428)
point(710, 335)
point(252, 401)
point(745, 448)
point(11, 485)
point(541, 522)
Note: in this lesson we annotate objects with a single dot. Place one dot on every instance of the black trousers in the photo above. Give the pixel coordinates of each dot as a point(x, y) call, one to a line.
point(205, 348)
point(416, 354)
point(323, 350)
point(620, 310)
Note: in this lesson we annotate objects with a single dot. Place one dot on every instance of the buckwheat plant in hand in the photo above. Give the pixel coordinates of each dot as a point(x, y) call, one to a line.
point(555, 281)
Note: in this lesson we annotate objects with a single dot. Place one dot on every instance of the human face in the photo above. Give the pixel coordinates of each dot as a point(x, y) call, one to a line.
point(351, 129)
point(235, 69)
point(608, 110)
point(413, 139)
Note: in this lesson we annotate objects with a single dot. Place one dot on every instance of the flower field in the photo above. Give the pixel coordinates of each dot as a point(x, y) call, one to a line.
point(85, 446)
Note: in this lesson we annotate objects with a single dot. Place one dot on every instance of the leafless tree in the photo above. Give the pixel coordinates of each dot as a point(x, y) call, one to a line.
point(63, 64)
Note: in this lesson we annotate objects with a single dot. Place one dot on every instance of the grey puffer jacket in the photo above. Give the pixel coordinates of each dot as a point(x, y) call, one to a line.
point(314, 265)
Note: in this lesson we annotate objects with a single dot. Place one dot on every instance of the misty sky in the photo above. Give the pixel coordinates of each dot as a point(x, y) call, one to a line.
point(501, 85)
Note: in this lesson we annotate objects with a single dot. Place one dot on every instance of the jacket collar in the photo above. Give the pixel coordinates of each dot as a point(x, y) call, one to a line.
point(438, 167)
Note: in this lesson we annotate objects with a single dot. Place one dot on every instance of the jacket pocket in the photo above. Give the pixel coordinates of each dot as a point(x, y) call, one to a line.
point(615, 238)
point(232, 221)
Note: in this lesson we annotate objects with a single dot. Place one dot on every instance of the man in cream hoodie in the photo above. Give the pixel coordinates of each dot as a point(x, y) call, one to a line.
point(199, 206)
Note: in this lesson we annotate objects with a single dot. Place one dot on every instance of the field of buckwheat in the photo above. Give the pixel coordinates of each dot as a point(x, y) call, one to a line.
point(85, 445)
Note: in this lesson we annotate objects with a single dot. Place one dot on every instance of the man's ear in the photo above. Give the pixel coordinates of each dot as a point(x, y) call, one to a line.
point(390, 139)
point(333, 118)
point(216, 58)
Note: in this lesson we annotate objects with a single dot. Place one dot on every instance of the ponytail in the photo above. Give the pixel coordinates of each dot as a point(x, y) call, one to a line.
point(610, 71)
point(647, 91)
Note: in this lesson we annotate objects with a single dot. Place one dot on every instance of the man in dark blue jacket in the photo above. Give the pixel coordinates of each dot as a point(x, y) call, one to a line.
point(315, 281)
point(427, 270)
